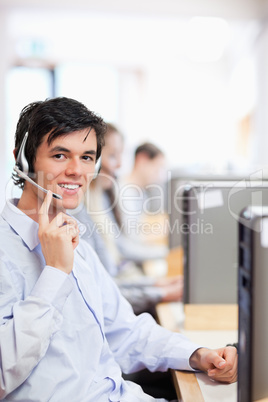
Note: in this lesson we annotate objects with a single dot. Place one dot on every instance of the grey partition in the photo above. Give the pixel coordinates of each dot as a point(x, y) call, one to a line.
point(175, 188)
point(253, 306)
point(210, 237)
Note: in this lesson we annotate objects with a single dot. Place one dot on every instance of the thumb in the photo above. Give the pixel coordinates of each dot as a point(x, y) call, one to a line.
point(218, 362)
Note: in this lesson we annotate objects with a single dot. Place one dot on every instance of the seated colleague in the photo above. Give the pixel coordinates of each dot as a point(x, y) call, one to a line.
point(107, 190)
point(103, 203)
point(104, 220)
point(142, 292)
point(137, 204)
point(66, 331)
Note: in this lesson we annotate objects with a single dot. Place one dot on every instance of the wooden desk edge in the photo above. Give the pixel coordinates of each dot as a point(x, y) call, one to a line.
point(185, 383)
point(187, 387)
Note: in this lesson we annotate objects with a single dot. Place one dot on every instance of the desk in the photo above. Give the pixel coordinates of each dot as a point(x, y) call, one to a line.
point(212, 326)
point(208, 331)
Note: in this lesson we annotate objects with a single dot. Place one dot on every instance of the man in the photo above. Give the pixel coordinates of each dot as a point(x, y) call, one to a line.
point(66, 332)
point(142, 196)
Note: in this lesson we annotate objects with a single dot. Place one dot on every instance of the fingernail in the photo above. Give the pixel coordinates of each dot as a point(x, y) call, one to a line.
point(221, 363)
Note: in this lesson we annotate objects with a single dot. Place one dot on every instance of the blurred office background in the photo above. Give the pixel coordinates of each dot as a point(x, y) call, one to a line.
point(188, 75)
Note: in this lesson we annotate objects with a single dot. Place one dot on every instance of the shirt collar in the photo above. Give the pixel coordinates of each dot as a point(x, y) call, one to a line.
point(22, 224)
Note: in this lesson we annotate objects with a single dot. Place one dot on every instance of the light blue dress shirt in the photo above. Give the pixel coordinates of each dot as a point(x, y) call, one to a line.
point(69, 337)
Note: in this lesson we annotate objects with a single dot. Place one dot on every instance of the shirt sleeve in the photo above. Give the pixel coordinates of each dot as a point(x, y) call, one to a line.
point(138, 341)
point(27, 325)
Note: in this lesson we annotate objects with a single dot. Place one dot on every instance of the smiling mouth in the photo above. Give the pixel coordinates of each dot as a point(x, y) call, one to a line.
point(69, 186)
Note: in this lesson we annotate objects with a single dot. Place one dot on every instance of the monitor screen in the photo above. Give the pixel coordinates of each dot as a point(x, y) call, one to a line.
point(210, 237)
point(253, 305)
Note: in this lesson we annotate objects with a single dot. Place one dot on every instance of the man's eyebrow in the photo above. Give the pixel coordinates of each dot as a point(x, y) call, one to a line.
point(58, 148)
point(91, 152)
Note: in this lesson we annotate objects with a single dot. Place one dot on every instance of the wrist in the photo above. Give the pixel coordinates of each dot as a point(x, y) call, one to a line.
point(195, 359)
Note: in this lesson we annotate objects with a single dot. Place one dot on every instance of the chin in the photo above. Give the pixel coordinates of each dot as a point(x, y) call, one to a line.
point(71, 204)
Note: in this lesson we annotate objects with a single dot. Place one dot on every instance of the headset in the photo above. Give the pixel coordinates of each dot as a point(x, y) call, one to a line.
point(97, 168)
point(22, 168)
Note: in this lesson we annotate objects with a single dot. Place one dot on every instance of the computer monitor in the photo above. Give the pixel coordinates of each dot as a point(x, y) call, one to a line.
point(253, 305)
point(210, 238)
point(175, 188)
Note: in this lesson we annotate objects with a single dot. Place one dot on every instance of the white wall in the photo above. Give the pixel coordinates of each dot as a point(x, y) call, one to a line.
point(183, 106)
point(260, 140)
point(5, 62)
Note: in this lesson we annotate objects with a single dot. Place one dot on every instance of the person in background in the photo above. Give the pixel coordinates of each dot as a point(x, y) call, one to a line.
point(103, 231)
point(66, 332)
point(109, 188)
point(140, 190)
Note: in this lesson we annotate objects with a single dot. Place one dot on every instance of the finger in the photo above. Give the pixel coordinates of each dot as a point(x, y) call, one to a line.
point(63, 219)
point(228, 377)
point(69, 229)
point(227, 354)
point(75, 240)
point(221, 375)
point(43, 218)
point(219, 362)
point(230, 367)
point(72, 232)
point(214, 358)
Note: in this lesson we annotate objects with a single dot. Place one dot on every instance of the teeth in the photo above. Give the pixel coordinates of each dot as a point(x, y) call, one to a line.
point(69, 186)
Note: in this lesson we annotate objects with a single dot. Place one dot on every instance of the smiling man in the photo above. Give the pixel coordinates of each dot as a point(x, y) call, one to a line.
point(65, 168)
point(66, 332)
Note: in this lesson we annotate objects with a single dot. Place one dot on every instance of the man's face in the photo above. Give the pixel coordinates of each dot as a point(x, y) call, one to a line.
point(66, 167)
point(154, 170)
point(111, 158)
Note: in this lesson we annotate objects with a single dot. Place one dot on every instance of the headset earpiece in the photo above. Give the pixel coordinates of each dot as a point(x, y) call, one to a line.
point(22, 168)
point(97, 168)
point(21, 161)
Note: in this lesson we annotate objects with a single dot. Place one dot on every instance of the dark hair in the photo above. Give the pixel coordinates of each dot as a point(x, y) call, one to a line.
point(151, 150)
point(111, 128)
point(58, 117)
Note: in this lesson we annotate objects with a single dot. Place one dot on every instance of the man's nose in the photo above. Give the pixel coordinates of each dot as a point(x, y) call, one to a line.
point(73, 167)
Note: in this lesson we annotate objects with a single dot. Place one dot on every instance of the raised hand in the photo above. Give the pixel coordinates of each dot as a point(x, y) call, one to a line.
point(58, 238)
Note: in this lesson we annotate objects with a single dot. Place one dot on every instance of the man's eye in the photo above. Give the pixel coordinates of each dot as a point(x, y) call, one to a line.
point(59, 156)
point(87, 158)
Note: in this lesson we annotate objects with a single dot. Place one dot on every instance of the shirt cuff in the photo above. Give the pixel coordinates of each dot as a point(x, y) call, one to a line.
point(54, 286)
point(190, 351)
